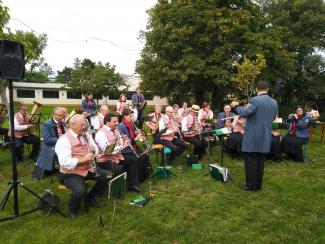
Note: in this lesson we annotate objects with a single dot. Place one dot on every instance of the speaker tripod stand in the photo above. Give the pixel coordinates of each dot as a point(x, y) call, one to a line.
point(15, 182)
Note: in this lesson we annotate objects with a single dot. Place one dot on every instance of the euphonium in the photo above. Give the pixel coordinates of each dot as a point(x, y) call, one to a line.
point(67, 119)
point(33, 113)
point(3, 113)
point(34, 118)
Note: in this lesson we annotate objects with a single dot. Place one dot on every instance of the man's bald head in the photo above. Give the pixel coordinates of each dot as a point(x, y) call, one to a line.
point(169, 111)
point(104, 110)
point(58, 113)
point(77, 123)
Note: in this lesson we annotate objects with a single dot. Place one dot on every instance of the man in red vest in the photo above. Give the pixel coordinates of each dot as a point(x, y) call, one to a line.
point(22, 134)
point(76, 151)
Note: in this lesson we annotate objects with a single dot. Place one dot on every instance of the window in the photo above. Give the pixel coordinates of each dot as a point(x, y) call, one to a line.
point(74, 95)
point(25, 93)
point(50, 94)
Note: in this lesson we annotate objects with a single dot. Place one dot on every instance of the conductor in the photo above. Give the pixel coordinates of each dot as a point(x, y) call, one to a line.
point(260, 112)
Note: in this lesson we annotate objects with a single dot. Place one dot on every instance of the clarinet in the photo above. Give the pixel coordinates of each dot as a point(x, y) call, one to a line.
point(84, 135)
point(124, 137)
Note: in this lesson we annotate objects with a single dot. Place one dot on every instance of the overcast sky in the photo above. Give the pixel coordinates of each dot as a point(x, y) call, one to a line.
point(70, 24)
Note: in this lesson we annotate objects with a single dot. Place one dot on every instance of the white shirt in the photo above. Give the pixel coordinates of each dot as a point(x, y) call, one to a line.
point(184, 123)
point(19, 127)
point(64, 151)
point(95, 122)
point(210, 114)
point(102, 140)
point(162, 124)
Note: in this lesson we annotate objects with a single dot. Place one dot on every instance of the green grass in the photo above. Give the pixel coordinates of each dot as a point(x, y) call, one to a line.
point(186, 209)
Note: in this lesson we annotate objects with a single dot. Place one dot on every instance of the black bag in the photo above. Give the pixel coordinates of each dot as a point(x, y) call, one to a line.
point(192, 159)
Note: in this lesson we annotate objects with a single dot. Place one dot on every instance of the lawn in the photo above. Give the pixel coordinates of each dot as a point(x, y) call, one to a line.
point(186, 209)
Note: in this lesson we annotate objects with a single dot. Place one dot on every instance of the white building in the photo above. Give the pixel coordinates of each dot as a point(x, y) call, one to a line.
point(58, 94)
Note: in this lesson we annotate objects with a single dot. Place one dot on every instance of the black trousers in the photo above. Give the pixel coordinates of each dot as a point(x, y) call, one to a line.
point(131, 166)
point(200, 145)
point(254, 169)
point(30, 139)
point(76, 183)
point(177, 146)
point(4, 133)
point(116, 169)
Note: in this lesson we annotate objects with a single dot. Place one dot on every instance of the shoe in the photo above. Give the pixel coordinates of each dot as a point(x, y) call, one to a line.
point(245, 188)
point(93, 203)
point(73, 214)
point(135, 189)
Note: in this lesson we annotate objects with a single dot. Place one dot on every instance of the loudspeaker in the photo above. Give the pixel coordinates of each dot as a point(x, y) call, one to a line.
point(278, 89)
point(12, 60)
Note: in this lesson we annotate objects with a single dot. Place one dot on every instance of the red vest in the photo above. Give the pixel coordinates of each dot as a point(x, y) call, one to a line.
point(191, 126)
point(111, 138)
point(21, 133)
point(170, 125)
point(78, 150)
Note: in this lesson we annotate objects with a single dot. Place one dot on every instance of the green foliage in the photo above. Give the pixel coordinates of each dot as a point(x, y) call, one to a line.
point(64, 76)
point(247, 71)
point(98, 78)
point(192, 46)
point(189, 208)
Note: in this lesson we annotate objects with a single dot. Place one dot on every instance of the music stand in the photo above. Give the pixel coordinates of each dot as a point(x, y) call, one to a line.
point(165, 170)
point(15, 182)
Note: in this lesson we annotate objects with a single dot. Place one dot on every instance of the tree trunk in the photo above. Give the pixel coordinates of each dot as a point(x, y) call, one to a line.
point(199, 96)
point(217, 98)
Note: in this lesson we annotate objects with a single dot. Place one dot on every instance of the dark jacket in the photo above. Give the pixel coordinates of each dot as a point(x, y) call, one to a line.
point(90, 109)
point(260, 112)
point(301, 126)
point(221, 116)
point(50, 137)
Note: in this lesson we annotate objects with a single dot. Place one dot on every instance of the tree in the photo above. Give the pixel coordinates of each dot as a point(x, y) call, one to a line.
point(247, 71)
point(33, 44)
point(303, 23)
point(65, 75)
point(192, 46)
point(101, 80)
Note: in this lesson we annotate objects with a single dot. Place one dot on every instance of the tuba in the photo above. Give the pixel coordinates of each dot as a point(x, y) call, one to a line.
point(3, 113)
point(34, 119)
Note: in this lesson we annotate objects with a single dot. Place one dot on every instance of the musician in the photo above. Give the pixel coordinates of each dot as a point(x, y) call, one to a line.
point(260, 112)
point(177, 117)
point(109, 135)
point(235, 139)
point(52, 130)
point(204, 114)
point(192, 131)
point(22, 134)
point(76, 154)
point(297, 134)
point(168, 138)
point(121, 105)
point(154, 119)
point(98, 121)
point(133, 153)
point(224, 118)
point(276, 150)
point(138, 102)
point(183, 111)
point(89, 103)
